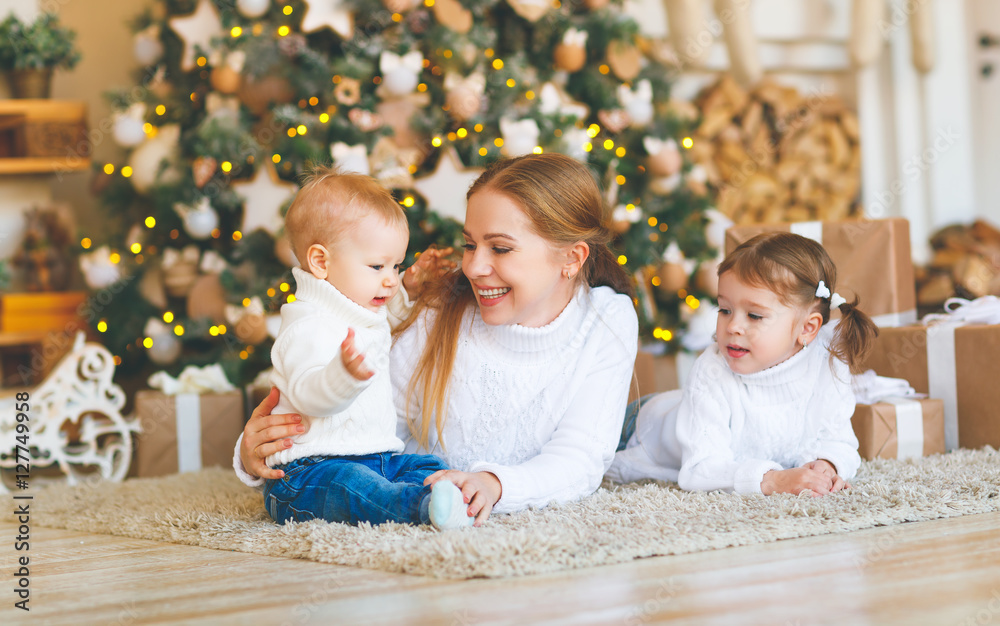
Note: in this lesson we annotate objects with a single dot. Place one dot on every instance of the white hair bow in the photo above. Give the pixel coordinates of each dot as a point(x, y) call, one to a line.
point(822, 291)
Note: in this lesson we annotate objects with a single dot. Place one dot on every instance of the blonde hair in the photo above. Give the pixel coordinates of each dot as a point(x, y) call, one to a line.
point(331, 202)
point(791, 266)
point(564, 204)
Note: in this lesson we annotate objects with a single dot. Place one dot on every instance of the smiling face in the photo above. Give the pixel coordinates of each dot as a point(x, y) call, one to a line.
point(517, 276)
point(363, 264)
point(755, 330)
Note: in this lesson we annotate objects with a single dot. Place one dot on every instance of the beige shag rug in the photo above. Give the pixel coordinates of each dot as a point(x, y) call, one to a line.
point(213, 509)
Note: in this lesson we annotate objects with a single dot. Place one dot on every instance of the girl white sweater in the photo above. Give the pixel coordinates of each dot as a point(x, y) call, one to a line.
point(726, 430)
point(541, 408)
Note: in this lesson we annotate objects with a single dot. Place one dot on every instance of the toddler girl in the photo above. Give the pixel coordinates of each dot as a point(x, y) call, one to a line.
point(767, 409)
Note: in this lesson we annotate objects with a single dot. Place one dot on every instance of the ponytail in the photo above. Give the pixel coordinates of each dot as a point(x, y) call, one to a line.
point(603, 270)
point(854, 337)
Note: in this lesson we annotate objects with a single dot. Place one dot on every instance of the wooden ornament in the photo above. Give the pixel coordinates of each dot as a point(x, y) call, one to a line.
point(398, 6)
point(667, 162)
point(365, 120)
point(225, 79)
point(624, 59)
point(531, 10)
point(251, 329)
point(613, 120)
point(202, 169)
point(452, 14)
point(207, 299)
point(673, 278)
point(569, 57)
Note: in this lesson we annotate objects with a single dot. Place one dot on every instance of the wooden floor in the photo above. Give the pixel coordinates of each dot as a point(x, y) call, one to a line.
point(938, 572)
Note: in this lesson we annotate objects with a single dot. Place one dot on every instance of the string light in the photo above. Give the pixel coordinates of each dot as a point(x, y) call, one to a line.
point(236, 31)
point(276, 158)
point(271, 292)
point(284, 287)
point(408, 201)
point(436, 142)
point(136, 248)
point(461, 132)
point(608, 144)
point(620, 152)
point(126, 171)
point(652, 221)
point(283, 31)
point(291, 298)
point(237, 236)
point(498, 142)
point(323, 118)
point(687, 142)
point(214, 331)
point(603, 69)
point(147, 343)
point(168, 316)
point(85, 243)
point(246, 302)
point(287, 10)
point(622, 259)
point(537, 150)
point(483, 152)
point(692, 302)
point(222, 329)
point(498, 64)
point(179, 330)
point(301, 128)
point(202, 61)
point(226, 166)
point(160, 109)
point(396, 17)
point(656, 281)
point(102, 326)
point(115, 258)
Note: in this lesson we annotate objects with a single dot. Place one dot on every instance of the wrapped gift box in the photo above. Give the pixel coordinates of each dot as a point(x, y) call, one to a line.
point(186, 432)
point(899, 428)
point(40, 312)
point(954, 363)
point(872, 258)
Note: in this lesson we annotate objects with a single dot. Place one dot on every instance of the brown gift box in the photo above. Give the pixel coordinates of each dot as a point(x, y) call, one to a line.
point(954, 363)
point(186, 432)
point(878, 430)
point(872, 258)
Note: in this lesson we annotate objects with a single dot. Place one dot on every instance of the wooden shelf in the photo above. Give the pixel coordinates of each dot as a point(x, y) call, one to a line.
point(42, 165)
point(42, 136)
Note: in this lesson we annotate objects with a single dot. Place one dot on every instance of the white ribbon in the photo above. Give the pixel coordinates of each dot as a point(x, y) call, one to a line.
point(909, 427)
point(172, 256)
point(942, 371)
point(188, 414)
point(552, 100)
point(192, 380)
point(655, 145)
point(475, 83)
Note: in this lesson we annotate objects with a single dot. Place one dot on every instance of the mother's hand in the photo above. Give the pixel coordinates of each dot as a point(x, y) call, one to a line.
point(481, 490)
point(265, 434)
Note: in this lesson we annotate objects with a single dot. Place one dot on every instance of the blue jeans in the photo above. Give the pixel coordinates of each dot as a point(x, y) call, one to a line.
point(631, 416)
point(375, 488)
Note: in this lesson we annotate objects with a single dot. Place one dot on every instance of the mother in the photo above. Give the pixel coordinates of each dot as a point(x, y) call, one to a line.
point(515, 370)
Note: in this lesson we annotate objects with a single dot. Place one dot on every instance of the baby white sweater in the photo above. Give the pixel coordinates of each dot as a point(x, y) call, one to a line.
point(726, 430)
point(541, 408)
point(346, 416)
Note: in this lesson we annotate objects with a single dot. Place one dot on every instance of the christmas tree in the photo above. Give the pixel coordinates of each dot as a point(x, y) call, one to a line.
point(236, 100)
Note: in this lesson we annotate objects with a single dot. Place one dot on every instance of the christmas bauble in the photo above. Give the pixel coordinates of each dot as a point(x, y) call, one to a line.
point(666, 162)
point(283, 251)
point(251, 329)
point(673, 278)
point(179, 278)
point(253, 8)
point(128, 131)
point(207, 299)
point(706, 278)
point(463, 103)
point(225, 79)
point(199, 223)
point(165, 349)
point(258, 94)
point(147, 47)
point(569, 57)
point(98, 270)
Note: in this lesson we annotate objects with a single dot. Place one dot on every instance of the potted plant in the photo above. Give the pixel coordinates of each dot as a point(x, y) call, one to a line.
point(29, 53)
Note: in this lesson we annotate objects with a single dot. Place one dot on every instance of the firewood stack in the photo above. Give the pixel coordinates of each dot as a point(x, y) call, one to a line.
point(777, 155)
point(966, 263)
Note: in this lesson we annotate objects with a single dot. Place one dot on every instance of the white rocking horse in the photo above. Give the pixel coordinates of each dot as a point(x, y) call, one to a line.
point(79, 390)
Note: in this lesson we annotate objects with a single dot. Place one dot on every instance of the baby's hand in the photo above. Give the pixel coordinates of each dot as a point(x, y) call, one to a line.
point(354, 361)
point(430, 265)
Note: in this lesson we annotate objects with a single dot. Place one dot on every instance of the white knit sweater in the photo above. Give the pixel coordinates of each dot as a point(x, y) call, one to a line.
point(346, 416)
point(726, 430)
point(541, 408)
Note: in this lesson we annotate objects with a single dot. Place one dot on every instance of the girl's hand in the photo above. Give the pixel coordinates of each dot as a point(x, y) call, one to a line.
point(265, 434)
point(480, 489)
point(430, 265)
point(797, 480)
point(354, 361)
